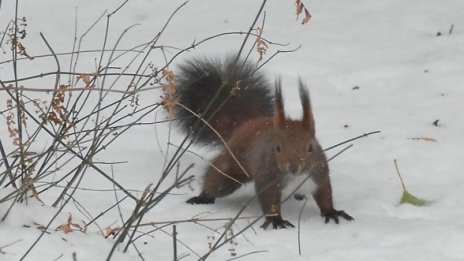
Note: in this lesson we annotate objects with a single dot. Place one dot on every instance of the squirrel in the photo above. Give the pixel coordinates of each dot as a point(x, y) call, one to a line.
point(263, 146)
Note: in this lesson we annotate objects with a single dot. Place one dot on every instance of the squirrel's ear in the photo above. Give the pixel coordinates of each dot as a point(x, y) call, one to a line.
point(308, 118)
point(279, 115)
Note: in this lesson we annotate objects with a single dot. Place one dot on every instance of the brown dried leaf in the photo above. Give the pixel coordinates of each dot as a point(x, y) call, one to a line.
point(62, 88)
point(69, 226)
point(20, 48)
point(299, 8)
point(169, 75)
point(170, 103)
point(13, 132)
point(59, 114)
point(170, 99)
point(85, 78)
point(109, 231)
point(17, 142)
point(35, 194)
point(307, 17)
point(261, 45)
point(54, 118)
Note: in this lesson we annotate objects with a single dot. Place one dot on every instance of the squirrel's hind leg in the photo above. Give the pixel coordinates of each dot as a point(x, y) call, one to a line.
point(201, 199)
point(218, 183)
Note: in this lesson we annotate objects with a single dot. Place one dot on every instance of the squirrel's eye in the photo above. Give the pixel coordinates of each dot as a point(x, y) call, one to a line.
point(278, 149)
point(310, 148)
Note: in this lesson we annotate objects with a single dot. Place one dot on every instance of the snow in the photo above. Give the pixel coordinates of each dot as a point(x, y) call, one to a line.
point(406, 77)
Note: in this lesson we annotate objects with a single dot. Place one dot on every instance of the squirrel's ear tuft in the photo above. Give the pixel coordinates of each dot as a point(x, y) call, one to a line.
point(308, 118)
point(279, 115)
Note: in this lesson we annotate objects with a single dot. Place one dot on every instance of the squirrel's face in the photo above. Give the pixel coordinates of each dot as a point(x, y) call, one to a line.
point(294, 147)
point(295, 143)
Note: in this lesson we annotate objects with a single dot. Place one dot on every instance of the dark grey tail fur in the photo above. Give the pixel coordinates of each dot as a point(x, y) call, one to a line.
point(225, 93)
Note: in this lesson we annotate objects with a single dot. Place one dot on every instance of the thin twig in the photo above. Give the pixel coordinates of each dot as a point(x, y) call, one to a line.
point(299, 224)
point(352, 139)
point(399, 175)
point(174, 241)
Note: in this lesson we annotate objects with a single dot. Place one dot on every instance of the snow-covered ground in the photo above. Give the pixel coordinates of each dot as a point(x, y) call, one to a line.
point(395, 66)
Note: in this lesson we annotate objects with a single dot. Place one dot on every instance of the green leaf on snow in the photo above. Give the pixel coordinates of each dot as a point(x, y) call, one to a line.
point(407, 197)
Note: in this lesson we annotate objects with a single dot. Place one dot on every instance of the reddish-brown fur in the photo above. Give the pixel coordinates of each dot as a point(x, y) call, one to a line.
point(272, 150)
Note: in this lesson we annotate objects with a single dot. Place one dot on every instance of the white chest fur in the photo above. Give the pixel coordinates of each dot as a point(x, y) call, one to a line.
point(300, 184)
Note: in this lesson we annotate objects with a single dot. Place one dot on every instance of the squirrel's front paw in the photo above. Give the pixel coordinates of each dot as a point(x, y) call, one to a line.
point(277, 222)
point(335, 214)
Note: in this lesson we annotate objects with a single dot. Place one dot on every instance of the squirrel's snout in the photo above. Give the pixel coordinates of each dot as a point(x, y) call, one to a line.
point(293, 168)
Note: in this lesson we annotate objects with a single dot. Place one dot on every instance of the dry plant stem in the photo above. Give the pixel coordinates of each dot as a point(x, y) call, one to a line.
point(174, 241)
point(41, 75)
point(149, 204)
point(275, 54)
point(165, 232)
point(79, 171)
point(352, 139)
point(259, 35)
point(97, 134)
point(31, 116)
point(139, 213)
point(149, 77)
point(195, 220)
point(116, 204)
point(13, 202)
point(52, 149)
point(80, 42)
point(84, 164)
point(96, 168)
point(48, 163)
point(105, 69)
point(70, 78)
point(135, 212)
point(166, 155)
point(155, 40)
point(239, 53)
point(7, 166)
point(340, 152)
point(19, 240)
point(299, 224)
point(5, 30)
point(41, 124)
point(57, 83)
point(116, 197)
point(22, 169)
point(110, 60)
point(399, 175)
point(247, 254)
point(48, 225)
point(36, 57)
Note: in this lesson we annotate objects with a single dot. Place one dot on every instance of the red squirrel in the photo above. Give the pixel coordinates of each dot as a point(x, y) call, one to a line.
point(262, 144)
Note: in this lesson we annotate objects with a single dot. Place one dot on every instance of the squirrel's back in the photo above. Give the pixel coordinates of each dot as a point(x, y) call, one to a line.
point(226, 93)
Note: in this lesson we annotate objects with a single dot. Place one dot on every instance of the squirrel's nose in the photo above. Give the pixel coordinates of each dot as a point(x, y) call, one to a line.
point(293, 168)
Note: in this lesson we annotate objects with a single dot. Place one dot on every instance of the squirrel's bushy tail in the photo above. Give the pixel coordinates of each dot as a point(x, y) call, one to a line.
point(226, 93)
